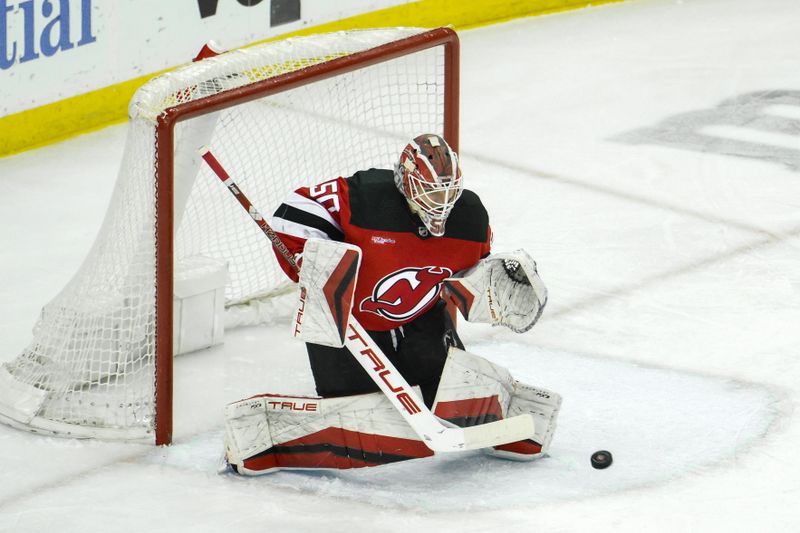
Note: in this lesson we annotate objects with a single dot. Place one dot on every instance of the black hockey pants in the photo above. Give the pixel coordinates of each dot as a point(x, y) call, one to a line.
point(418, 350)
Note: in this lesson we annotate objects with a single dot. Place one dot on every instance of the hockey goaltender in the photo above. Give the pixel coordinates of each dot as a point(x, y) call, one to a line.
point(385, 249)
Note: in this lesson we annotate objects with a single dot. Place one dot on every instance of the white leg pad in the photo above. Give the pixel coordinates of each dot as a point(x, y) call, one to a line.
point(474, 391)
point(271, 432)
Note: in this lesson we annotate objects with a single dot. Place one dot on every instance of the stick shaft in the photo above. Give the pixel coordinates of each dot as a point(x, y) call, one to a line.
point(279, 245)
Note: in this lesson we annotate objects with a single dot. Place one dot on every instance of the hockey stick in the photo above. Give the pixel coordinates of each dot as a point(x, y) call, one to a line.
point(433, 432)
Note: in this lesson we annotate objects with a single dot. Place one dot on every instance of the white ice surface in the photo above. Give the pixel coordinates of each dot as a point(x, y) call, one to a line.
point(672, 328)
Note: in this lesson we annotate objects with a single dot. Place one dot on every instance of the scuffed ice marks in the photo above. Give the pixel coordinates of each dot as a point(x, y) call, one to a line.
point(761, 125)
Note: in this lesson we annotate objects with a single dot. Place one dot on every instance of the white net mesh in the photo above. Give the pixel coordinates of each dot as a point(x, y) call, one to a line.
point(89, 370)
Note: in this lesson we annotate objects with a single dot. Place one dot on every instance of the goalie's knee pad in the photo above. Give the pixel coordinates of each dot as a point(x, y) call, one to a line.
point(269, 432)
point(544, 406)
point(475, 391)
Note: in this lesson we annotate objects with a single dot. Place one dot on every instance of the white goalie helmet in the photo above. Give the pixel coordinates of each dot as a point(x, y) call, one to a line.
point(429, 176)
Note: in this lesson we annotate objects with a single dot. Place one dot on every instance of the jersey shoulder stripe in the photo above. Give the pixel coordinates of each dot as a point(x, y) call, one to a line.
point(302, 201)
point(300, 219)
point(287, 227)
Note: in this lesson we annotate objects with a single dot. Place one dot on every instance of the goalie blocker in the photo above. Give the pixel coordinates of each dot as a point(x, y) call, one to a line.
point(327, 284)
point(268, 432)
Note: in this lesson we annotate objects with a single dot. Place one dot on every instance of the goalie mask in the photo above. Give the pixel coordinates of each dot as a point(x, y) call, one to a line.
point(428, 175)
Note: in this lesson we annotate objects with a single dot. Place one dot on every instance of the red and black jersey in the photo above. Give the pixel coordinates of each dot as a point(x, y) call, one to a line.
point(402, 266)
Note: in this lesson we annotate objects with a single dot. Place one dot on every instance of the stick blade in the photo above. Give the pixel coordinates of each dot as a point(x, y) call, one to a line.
point(512, 429)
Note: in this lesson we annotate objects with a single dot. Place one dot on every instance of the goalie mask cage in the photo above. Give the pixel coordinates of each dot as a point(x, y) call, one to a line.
point(280, 115)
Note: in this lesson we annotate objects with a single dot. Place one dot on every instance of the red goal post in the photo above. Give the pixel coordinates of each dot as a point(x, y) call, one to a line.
point(284, 114)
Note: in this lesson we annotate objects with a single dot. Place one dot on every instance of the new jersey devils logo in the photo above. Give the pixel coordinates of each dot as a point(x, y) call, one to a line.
point(403, 293)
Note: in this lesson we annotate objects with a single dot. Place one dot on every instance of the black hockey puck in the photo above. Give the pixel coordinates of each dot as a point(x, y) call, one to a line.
point(601, 459)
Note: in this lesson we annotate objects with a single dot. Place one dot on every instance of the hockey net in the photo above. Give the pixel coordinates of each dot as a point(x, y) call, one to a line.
point(281, 115)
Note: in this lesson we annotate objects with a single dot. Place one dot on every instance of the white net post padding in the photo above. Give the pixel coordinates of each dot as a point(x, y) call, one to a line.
point(90, 370)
